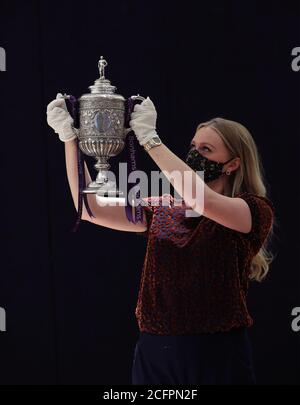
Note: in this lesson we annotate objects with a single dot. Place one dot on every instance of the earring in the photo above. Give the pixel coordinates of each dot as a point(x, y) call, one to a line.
point(228, 172)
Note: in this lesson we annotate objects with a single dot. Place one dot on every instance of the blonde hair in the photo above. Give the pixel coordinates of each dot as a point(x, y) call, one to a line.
point(249, 177)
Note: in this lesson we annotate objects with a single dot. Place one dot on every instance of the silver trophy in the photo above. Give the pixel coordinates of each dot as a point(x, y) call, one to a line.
point(101, 131)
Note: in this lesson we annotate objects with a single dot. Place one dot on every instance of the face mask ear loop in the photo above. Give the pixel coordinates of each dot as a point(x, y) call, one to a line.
point(223, 173)
point(228, 160)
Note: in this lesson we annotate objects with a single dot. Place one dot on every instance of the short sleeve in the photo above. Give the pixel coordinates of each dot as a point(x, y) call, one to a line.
point(262, 213)
point(148, 211)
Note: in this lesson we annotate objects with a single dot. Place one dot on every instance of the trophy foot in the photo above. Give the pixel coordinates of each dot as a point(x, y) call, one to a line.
point(92, 188)
point(108, 194)
point(107, 189)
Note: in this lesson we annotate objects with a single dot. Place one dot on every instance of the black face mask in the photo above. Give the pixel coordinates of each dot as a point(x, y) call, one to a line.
point(212, 169)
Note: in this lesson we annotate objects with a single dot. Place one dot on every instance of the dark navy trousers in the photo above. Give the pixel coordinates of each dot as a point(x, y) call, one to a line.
point(222, 358)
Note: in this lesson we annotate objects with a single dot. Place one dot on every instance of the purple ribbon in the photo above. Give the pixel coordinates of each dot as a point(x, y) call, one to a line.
point(131, 143)
point(72, 106)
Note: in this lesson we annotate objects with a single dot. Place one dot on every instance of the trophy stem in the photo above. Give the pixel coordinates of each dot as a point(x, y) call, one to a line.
point(102, 163)
point(102, 186)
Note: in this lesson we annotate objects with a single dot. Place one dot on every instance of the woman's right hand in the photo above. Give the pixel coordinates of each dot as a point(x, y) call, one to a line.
point(60, 120)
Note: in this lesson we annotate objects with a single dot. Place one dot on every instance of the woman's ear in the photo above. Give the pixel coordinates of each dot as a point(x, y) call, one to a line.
point(236, 163)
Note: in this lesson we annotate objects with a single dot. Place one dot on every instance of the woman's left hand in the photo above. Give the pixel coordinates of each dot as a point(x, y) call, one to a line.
point(143, 121)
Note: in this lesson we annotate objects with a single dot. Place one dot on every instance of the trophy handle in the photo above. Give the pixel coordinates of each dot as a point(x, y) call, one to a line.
point(131, 102)
point(138, 97)
point(72, 107)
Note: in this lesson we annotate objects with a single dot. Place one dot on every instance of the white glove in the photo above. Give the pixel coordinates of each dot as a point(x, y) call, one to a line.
point(143, 121)
point(60, 120)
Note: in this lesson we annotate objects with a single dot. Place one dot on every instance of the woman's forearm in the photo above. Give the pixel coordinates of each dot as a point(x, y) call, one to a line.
point(72, 173)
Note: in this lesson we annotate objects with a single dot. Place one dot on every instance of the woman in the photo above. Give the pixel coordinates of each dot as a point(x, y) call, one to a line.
point(191, 310)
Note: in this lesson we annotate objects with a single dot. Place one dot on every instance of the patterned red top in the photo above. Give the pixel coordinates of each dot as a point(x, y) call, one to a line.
point(195, 274)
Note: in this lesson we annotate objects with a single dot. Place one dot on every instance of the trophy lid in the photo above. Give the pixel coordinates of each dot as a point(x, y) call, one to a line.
point(103, 85)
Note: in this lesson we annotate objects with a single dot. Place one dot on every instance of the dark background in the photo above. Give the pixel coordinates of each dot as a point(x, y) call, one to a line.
point(70, 297)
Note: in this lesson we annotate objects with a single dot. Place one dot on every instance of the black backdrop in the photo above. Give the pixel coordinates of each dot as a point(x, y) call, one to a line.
point(70, 298)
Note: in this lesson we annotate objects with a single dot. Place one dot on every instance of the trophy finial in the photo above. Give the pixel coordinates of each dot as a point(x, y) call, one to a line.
point(101, 65)
point(102, 85)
